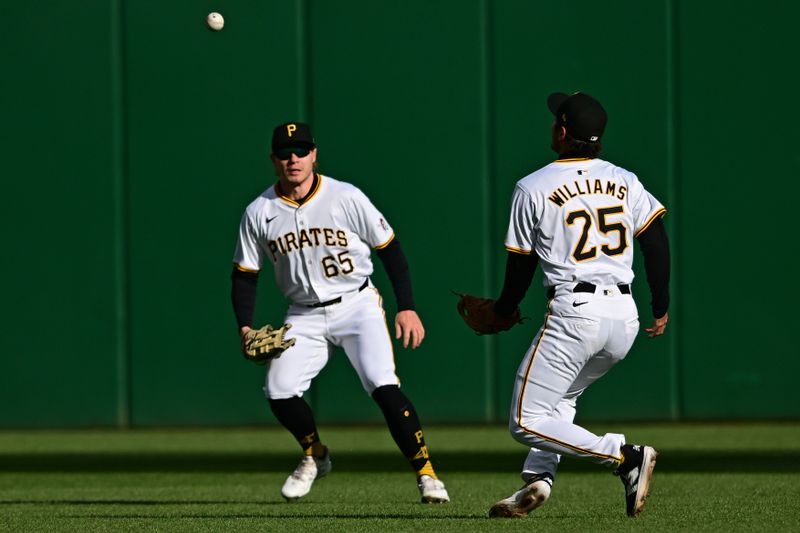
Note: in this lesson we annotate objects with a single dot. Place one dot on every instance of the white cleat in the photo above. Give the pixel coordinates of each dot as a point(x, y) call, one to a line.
point(432, 490)
point(310, 468)
point(523, 501)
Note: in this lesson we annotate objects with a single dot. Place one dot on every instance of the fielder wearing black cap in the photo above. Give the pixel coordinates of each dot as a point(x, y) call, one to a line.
point(577, 217)
point(318, 234)
point(580, 121)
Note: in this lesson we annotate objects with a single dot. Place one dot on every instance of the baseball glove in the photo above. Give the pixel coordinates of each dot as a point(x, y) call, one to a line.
point(478, 313)
point(266, 344)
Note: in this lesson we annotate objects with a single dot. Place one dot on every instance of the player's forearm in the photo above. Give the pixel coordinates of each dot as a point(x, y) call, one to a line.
point(243, 296)
point(396, 265)
point(519, 275)
point(655, 249)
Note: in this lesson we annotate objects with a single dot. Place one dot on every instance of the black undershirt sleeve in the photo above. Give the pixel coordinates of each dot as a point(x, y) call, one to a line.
point(520, 269)
point(655, 249)
point(396, 265)
point(243, 296)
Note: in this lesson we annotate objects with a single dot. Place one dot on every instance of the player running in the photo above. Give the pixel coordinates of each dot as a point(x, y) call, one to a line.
point(577, 217)
point(318, 233)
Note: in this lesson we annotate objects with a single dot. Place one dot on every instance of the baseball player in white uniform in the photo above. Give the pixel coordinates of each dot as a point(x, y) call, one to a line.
point(317, 234)
point(577, 217)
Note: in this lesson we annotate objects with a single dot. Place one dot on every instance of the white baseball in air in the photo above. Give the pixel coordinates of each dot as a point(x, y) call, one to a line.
point(215, 21)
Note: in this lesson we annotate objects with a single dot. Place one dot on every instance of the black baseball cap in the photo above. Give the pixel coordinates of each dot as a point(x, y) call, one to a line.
point(292, 134)
point(582, 115)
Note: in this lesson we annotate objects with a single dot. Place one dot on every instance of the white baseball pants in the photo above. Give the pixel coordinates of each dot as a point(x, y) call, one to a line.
point(357, 324)
point(582, 337)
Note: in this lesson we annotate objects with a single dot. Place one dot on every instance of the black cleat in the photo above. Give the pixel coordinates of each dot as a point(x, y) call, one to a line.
point(636, 471)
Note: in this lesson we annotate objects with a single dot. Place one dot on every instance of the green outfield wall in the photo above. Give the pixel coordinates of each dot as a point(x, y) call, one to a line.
point(133, 137)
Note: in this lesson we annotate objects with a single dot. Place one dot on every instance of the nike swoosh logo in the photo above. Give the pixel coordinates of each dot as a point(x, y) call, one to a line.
point(271, 219)
point(576, 304)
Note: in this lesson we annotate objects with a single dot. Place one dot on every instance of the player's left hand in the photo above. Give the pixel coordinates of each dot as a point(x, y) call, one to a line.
point(659, 325)
point(408, 325)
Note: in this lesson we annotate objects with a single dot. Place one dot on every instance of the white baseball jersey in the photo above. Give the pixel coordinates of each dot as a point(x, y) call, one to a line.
point(320, 252)
point(580, 217)
point(320, 249)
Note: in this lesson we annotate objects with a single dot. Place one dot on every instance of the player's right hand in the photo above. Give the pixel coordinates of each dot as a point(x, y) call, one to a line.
point(659, 325)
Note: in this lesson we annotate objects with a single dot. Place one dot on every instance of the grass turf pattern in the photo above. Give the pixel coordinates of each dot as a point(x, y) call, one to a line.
point(709, 477)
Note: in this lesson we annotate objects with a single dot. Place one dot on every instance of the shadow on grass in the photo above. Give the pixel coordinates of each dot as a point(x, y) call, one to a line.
point(287, 517)
point(668, 461)
point(143, 503)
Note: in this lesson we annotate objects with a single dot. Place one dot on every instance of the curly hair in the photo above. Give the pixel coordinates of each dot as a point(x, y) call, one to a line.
point(582, 148)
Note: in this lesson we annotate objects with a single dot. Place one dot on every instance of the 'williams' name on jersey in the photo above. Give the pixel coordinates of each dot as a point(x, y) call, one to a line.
point(566, 192)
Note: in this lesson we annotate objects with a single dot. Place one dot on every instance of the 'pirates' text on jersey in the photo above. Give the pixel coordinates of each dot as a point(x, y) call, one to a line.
point(580, 217)
point(320, 249)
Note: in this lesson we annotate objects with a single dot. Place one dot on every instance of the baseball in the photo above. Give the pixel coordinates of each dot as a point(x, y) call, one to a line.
point(215, 21)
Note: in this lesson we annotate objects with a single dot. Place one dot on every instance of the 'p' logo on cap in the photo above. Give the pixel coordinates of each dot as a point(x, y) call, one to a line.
point(292, 134)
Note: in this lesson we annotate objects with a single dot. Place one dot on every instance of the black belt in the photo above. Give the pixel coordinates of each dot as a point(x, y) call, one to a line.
point(339, 299)
point(583, 286)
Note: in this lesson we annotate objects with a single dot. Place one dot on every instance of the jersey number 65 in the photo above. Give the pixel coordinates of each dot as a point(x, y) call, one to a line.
point(338, 264)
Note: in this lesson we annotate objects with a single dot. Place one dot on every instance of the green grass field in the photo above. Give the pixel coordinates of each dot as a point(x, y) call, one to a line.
point(709, 477)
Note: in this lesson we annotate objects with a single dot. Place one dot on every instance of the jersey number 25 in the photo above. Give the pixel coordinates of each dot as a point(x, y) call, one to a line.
point(605, 225)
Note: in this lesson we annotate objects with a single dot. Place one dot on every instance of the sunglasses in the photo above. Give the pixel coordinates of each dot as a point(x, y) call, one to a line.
point(284, 154)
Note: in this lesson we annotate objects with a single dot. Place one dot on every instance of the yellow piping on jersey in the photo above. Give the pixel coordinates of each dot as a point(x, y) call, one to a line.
point(384, 245)
point(386, 328)
point(660, 213)
point(573, 159)
point(309, 197)
point(570, 446)
point(519, 250)
point(243, 269)
point(288, 200)
point(528, 370)
point(522, 394)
